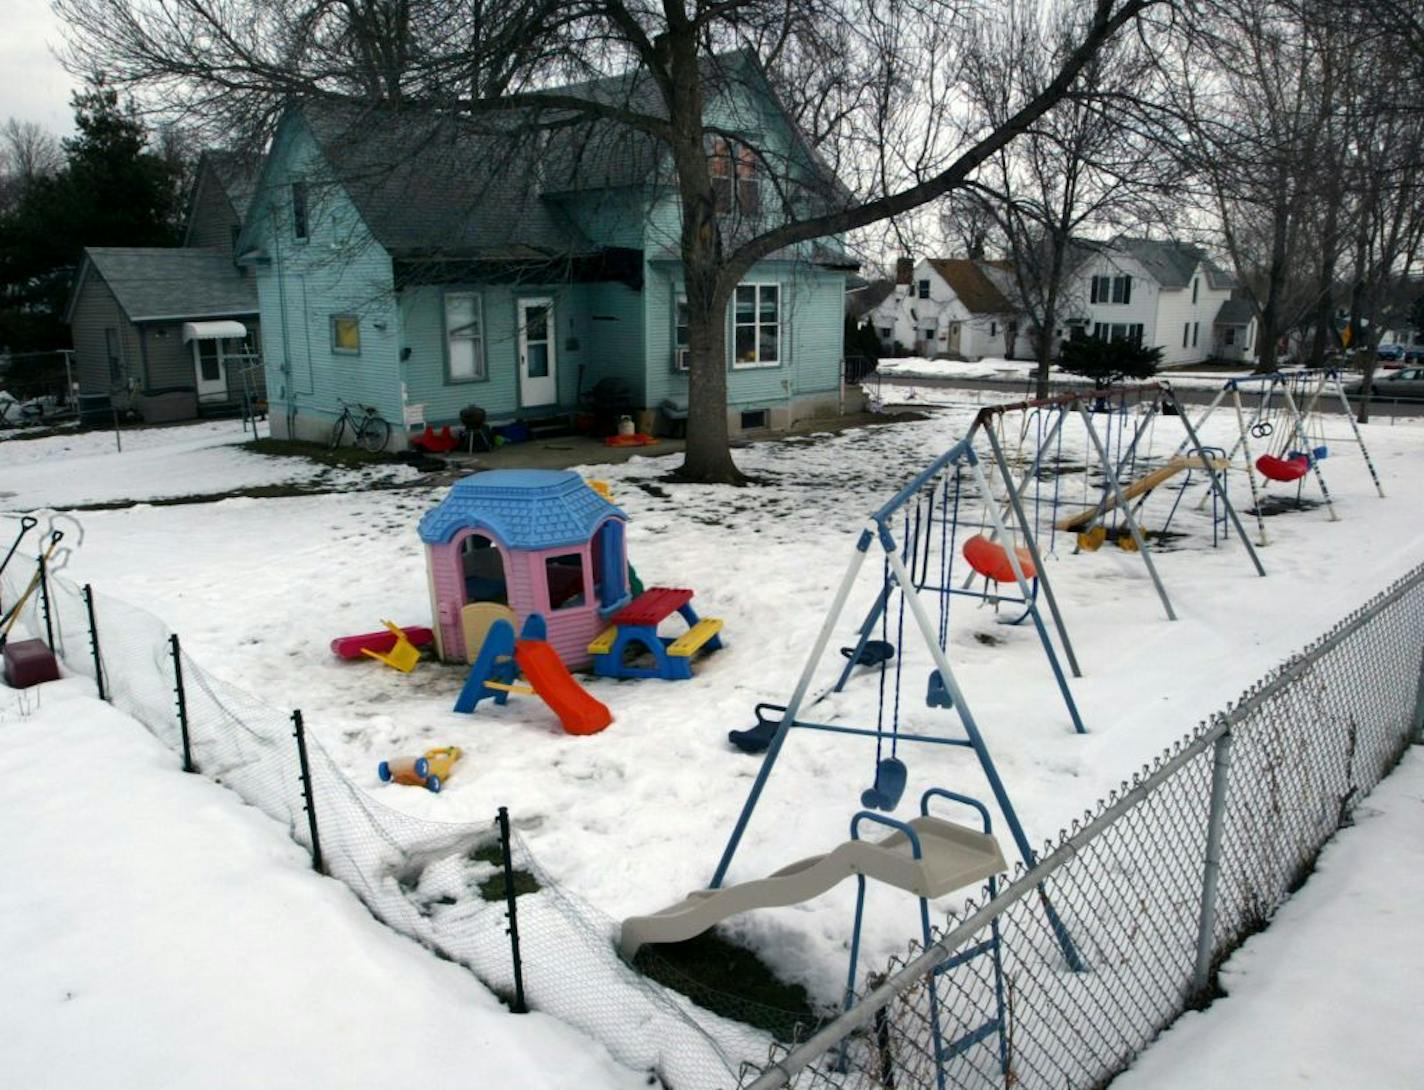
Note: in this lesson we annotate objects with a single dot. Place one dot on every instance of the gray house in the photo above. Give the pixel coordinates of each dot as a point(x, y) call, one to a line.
point(172, 332)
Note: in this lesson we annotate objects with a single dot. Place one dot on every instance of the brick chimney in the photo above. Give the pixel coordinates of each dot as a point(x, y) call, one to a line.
point(904, 270)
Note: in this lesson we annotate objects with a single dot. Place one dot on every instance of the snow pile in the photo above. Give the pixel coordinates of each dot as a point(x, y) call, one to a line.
point(157, 933)
point(1328, 994)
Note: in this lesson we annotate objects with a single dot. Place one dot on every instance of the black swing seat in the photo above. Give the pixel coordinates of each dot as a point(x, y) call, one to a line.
point(872, 654)
point(758, 738)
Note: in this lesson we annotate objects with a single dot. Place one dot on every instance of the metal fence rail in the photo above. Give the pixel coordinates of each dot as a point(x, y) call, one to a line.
point(1173, 872)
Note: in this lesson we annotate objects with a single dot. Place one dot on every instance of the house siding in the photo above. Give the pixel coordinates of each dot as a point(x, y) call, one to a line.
point(338, 269)
point(1143, 309)
point(95, 310)
point(168, 361)
point(212, 218)
point(422, 327)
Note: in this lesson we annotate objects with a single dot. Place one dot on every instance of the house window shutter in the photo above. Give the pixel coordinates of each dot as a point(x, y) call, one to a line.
point(1093, 290)
point(1127, 289)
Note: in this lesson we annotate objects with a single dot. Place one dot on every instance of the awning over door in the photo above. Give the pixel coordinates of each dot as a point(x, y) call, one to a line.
point(212, 331)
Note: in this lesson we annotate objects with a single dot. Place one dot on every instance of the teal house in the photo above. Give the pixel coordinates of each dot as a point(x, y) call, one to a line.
point(422, 262)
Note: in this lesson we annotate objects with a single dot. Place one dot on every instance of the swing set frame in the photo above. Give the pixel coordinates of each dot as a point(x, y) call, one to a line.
point(1320, 383)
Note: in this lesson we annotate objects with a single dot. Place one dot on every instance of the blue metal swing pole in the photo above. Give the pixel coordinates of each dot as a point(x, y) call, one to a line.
point(971, 729)
point(1041, 573)
point(862, 549)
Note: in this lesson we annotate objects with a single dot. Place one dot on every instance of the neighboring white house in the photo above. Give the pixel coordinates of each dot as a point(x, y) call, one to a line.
point(1164, 294)
point(951, 307)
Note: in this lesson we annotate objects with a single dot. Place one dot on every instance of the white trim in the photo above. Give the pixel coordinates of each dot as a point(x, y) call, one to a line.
point(756, 324)
point(213, 331)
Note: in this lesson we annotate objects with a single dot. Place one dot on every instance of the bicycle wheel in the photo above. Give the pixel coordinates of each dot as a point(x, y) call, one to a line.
point(338, 430)
point(375, 435)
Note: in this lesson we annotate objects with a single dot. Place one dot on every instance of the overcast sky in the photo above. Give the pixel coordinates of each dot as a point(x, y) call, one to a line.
point(33, 86)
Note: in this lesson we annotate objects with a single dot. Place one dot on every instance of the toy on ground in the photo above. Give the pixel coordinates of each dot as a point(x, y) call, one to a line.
point(403, 654)
point(432, 442)
point(429, 771)
point(637, 439)
point(502, 659)
point(636, 626)
point(353, 648)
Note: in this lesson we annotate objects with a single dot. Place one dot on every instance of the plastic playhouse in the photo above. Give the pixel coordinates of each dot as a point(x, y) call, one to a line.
point(510, 543)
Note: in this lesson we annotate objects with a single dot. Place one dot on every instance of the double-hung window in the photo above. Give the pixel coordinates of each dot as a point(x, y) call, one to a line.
point(681, 339)
point(464, 336)
point(346, 334)
point(299, 209)
point(1111, 289)
point(756, 325)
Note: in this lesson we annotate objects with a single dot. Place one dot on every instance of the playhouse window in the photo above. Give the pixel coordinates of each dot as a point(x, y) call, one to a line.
point(483, 569)
point(564, 575)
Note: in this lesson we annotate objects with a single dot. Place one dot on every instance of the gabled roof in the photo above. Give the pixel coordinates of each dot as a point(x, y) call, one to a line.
point(169, 283)
point(430, 183)
point(861, 301)
point(1172, 263)
point(521, 508)
point(968, 281)
point(234, 172)
point(1236, 310)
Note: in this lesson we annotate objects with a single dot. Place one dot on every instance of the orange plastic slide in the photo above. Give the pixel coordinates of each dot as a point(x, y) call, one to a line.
point(577, 710)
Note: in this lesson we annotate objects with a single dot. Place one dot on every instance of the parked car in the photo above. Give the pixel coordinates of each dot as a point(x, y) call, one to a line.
point(1390, 353)
point(1407, 384)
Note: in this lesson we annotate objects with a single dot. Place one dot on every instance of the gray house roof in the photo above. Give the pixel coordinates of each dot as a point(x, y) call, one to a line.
point(237, 172)
point(1172, 263)
point(170, 283)
point(862, 300)
point(1237, 310)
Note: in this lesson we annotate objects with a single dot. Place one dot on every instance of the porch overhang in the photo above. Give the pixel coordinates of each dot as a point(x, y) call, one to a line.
point(213, 331)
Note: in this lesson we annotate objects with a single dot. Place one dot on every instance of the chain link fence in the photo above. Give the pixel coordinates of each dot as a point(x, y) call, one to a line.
point(1056, 977)
point(1064, 975)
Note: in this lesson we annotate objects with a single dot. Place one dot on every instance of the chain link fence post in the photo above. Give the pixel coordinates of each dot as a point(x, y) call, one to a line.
point(94, 641)
point(300, 733)
point(1211, 870)
point(1418, 732)
point(511, 912)
point(182, 697)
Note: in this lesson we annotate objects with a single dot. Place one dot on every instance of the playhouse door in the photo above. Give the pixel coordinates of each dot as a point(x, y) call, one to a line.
point(538, 368)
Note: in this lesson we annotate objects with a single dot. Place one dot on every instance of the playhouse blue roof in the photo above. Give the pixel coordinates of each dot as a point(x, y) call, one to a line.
point(522, 508)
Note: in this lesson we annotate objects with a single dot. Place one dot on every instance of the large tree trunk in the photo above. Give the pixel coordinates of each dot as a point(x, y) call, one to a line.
point(1325, 283)
point(708, 458)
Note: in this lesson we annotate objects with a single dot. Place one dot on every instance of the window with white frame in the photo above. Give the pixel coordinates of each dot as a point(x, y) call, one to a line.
point(993, 329)
point(1118, 331)
point(464, 337)
point(1230, 335)
point(346, 334)
point(756, 325)
point(299, 209)
point(924, 287)
point(681, 338)
point(1111, 289)
point(735, 181)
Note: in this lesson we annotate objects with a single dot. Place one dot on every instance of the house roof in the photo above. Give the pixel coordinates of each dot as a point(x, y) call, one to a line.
point(1236, 310)
point(176, 283)
point(1171, 263)
point(968, 281)
point(862, 300)
point(237, 172)
point(430, 183)
point(521, 508)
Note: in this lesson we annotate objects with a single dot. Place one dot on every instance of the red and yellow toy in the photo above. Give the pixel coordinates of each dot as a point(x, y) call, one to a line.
point(429, 771)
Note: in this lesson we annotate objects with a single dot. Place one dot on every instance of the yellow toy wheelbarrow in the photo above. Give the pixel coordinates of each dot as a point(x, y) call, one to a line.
point(429, 771)
point(403, 656)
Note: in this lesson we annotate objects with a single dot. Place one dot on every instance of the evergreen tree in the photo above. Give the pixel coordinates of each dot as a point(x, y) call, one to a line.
point(112, 191)
point(1109, 362)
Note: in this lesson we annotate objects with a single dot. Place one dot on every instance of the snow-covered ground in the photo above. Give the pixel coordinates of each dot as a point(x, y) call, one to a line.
point(155, 463)
point(995, 367)
point(158, 933)
point(1329, 994)
point(633, 818)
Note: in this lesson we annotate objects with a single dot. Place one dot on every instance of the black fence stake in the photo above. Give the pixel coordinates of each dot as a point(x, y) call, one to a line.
point(512, 911)
point(44, 602)
point(182, 702)
point(94, 641)
point(301, 736)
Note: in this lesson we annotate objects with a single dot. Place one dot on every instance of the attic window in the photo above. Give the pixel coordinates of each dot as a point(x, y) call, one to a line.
point(721, 166)
point(748, 188)
point(299, 209)
point(734, 178)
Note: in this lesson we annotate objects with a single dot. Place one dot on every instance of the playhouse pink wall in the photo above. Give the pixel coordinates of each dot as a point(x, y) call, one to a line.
point(570, 630)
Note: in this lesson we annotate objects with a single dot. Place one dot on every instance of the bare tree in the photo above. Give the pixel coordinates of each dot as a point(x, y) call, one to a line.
point(27, 153)
point(892, 115)
point(1091, 163)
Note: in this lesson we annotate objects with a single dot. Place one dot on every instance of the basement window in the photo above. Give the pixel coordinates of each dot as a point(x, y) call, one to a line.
point(756, 418)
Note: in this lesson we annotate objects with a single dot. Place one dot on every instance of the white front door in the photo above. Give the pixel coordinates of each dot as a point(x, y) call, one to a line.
point(538, 368)
point(210, 369)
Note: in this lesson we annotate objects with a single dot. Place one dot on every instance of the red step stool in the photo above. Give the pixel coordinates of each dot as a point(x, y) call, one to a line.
point(29, 662)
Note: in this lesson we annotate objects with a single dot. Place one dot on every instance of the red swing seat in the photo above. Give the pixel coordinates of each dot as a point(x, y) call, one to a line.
point(991, 560)
point(1283, 469)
